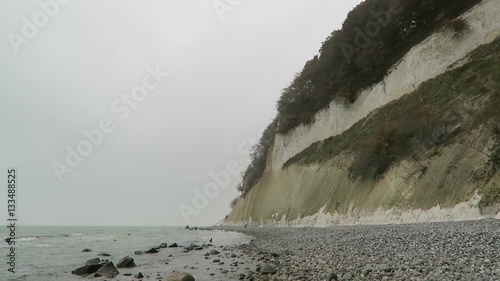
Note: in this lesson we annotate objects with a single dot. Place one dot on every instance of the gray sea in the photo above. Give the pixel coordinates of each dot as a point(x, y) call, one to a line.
point(50, 253)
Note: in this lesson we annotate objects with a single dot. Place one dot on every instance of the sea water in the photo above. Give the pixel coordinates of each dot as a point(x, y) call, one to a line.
point(50, 253)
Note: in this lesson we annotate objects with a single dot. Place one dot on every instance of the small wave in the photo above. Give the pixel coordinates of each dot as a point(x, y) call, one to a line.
point(30, 238)
point(41, 246)
point(19, 278)
point(78, 234)
point(45, 236)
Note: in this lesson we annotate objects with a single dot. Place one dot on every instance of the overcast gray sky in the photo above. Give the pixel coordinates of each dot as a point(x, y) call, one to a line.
point(226, 70)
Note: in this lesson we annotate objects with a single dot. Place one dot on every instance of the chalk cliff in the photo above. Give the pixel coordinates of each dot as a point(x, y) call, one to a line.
point(302, 186)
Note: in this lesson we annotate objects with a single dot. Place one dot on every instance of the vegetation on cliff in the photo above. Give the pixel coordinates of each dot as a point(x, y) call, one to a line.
point(374, 37)
point(258, 158)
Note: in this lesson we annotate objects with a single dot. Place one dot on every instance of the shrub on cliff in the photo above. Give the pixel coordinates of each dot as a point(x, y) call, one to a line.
point(233, 202)
point(457, 26)
point(405, 131)
point(258, 158)
point(490, 197)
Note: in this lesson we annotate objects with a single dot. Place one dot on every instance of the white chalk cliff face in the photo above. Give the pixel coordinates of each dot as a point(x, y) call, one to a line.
point(320, 194)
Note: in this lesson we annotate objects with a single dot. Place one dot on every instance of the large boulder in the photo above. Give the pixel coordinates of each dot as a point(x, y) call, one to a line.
point(86, 250)
point(108, 270)
point(192, 247)
point(173, 245)
point(268, 268)
point(87, 269)
point(333, 277)
point(214, 252)
point(152, 251)
point(179, 276)
point(126, 262)
point(93, 261)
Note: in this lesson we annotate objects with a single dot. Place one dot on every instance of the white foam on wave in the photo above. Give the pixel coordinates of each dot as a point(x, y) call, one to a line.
point(32, 238)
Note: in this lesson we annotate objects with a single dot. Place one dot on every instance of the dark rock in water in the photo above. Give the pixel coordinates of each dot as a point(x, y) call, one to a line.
point(86, 250)
point(198, 248)
point(93, 261)
point(194, 228)
point(126, 262)
point(139, 275)
point(127, 274)
point(216, 260)
point(333, 277)
point(179, 276)
point(187, 227)
point(139, 252)
point(173, 245)
point(190, 247)
point(163, 245)
point(104, 255)
point(274, 255)
point(214, 252)
point(152, 251)
point(268, 269)
point(87, 269)
point(108, 270)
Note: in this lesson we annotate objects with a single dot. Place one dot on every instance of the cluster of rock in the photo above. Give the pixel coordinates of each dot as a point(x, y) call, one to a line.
point(267, 264)
point(156, 250)
point(104, 268)
point(234, 263)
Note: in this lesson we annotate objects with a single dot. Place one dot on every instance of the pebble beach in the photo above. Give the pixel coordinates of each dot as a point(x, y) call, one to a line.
point(468, 250)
